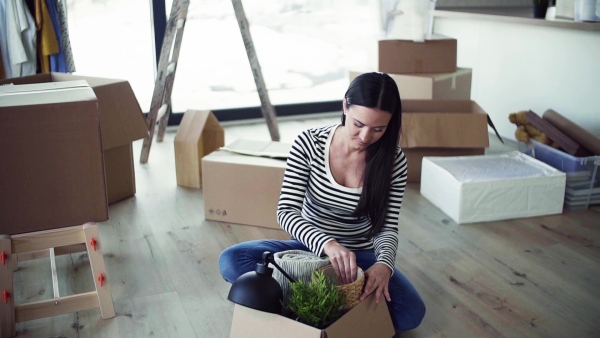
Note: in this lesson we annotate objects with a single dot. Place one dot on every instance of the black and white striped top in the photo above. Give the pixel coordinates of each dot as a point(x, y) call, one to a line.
point(315, 209)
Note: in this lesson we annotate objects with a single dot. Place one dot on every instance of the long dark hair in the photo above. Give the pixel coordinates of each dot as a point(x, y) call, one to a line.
point(377, 90)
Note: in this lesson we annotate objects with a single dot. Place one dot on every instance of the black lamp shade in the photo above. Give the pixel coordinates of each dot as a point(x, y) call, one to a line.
point(257, 290)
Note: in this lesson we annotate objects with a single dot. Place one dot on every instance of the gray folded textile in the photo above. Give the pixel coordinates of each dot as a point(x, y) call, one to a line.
point(299, 265)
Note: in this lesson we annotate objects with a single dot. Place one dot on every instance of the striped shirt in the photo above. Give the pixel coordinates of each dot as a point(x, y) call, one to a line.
point(315, 209)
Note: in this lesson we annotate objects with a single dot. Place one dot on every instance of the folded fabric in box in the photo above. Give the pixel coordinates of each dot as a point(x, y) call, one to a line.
point(299, 265)
point(492, 187)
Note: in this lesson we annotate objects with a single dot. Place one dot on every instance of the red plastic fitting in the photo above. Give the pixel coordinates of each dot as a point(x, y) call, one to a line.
point(5, 294)
point(93, 243)
point(101, 279)
point(3, 256)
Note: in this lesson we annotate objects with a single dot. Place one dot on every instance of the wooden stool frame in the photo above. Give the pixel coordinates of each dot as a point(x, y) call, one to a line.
point(51, 243)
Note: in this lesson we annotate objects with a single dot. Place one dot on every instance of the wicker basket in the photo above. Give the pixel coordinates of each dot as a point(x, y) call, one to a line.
point(351, 291)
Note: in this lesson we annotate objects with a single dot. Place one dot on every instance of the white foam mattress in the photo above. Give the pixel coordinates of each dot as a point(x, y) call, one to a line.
point(492, 187)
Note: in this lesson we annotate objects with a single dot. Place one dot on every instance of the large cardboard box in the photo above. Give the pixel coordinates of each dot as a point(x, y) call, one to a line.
point(242, 182)
point(198, 135)
point(435, 55)
point(492, 187)
point(122, 123)
point(52, 172)
point(451, 86)
point(367, 319)
point(441, 128)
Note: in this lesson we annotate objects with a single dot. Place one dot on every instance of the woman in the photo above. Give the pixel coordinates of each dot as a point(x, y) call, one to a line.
point(341, 197)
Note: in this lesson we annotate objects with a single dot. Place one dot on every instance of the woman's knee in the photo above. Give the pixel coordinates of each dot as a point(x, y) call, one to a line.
point(417, 315)
point(227, 264)
point(407, 308)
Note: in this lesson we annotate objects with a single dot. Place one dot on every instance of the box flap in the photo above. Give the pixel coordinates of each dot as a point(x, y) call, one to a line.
point(443, 123)
point(241, 159)
point(270, 149)
point(194, 122)
point(45, 93)
point(37, 78)
point(120, 113)
point(374, 319)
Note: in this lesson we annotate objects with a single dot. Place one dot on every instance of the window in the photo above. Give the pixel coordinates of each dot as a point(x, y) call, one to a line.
point(305, 49)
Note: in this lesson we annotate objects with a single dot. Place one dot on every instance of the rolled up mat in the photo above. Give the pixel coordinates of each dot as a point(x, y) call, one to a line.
point(299, 265)
point(580, 135)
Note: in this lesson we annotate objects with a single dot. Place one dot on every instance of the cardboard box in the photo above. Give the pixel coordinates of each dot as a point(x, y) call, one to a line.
point(199, 134)
point(52, 172)
point(367, 319)
point(441, 128)
point(122, 123)
point(450, 86)
point(492, 187)
point(435, 55)
point(242, 184)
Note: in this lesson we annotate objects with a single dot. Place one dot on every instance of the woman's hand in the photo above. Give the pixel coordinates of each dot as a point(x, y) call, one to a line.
point(342, 260)
point(377, 277)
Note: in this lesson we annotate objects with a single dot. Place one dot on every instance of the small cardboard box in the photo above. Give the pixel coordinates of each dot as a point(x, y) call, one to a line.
point(367, 319)
point(449, 86)
point(52, 172)
point(242, 182)
point(441, 128)
point(435, 55)
point(122, 123)
point(198, 135)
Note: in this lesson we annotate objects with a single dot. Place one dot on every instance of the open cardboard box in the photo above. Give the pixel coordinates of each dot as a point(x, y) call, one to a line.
point(450, 86)
point(122, 123)
point(442, 128)
point(367, 319)
point(242, 182)
point(52, 172)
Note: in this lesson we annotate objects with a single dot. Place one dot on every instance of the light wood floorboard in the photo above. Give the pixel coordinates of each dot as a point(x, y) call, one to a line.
point(530, 277)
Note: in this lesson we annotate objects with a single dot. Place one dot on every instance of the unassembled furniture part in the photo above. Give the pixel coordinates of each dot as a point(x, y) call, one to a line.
point(54, 242)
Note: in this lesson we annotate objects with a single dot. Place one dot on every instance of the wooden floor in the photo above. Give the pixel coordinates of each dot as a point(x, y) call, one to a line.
point(534, 277)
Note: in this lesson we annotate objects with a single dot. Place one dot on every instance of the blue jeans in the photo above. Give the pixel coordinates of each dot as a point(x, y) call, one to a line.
point(406, 308)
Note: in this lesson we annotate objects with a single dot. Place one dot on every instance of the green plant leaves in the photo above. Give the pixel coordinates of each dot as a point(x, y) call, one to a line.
point(317, 304)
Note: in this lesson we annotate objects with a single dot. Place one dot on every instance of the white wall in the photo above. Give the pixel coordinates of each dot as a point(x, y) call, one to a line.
point(518, 67)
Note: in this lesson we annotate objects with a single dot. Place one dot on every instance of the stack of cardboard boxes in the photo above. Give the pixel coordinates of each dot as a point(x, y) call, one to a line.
point(438, 116)
point(424, 70)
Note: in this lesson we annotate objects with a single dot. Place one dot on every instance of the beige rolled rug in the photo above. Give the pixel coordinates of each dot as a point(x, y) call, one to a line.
point(299, 265)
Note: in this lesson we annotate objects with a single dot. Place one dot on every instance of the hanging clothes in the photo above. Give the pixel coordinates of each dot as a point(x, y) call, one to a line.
point(17, 39)
point(47, 41)
point(57, 61)
point(2, 74)
point(3, 40)
point(65, 39)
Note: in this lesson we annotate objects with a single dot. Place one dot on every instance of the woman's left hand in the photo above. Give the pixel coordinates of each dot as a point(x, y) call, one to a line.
point(377, 278)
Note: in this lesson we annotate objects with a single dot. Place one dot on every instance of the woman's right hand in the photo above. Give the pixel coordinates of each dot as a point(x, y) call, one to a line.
point(342, 260)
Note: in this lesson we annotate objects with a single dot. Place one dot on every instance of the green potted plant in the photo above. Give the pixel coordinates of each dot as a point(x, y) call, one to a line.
point(317, 303)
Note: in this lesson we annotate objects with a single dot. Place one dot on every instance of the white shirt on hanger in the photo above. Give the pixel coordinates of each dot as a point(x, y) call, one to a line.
point(20, 39)
point(3, 39)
